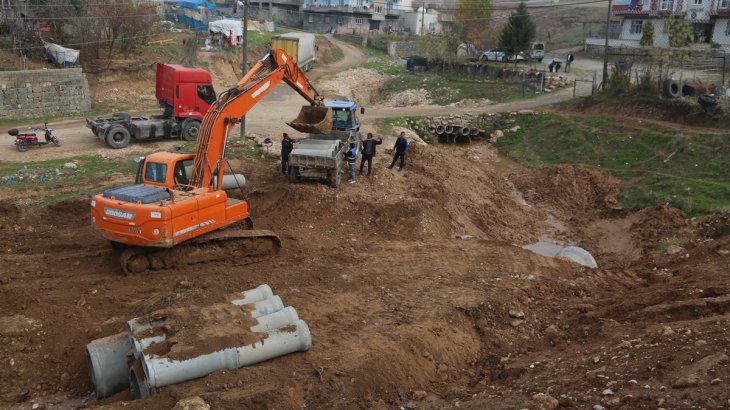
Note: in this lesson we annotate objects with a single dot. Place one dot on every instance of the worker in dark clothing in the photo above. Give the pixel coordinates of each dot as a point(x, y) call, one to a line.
point(400, 147)
point(351, 157)
point(287, 145)
point(369, 145)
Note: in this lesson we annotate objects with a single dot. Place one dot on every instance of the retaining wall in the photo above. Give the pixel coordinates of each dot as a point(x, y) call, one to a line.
point(38, 93)
point(402, 49)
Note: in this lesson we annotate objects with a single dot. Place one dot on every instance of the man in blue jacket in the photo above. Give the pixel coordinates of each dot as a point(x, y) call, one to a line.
point(351, 156)
point(400, 147)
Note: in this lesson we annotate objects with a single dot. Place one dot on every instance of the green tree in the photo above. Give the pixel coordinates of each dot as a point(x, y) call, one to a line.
point(475, 15)
point(647, 34)
point(680, 32)
point(519, 32)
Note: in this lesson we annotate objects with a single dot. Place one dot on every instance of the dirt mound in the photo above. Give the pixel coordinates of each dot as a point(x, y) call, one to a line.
point(408, 98)
point(357, 84)
point(573, 191)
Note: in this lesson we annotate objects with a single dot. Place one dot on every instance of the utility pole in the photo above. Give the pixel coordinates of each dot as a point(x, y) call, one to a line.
point(423, 14)
point(605, 47)
point(244, 63)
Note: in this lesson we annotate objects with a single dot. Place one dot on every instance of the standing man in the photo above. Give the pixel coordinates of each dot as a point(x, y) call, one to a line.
point(368, 151)
point(287, 145)
point(351, 156)
point(568, 60)
point(400, 147)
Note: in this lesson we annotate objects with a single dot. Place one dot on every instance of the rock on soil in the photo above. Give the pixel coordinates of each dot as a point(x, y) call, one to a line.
point(409, 98)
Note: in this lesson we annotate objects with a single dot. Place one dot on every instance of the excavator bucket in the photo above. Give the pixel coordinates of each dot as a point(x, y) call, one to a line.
point(313, 120)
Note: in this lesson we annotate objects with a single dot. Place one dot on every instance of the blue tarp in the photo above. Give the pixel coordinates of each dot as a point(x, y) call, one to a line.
point(194, 4)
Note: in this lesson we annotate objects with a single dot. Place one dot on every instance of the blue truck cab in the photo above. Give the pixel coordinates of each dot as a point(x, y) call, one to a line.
point(344, 115)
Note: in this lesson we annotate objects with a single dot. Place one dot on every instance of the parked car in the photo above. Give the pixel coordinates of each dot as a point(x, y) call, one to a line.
point(497, 54)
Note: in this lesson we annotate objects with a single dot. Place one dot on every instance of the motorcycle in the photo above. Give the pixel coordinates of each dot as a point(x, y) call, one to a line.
point(25, 140)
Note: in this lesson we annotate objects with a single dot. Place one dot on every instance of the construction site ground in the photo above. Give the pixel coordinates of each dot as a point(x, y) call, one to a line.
point(415, 285)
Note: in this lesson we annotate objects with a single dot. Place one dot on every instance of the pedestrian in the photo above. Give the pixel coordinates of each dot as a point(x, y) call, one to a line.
point(568, 60)
point(351, 156)
point(400, 147)
point(287, 145)
point(368, 151)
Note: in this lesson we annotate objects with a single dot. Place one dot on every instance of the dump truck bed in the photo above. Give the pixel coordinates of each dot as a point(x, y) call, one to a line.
point(316, 154)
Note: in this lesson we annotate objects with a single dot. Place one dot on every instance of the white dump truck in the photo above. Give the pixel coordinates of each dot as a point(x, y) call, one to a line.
point(300, 46)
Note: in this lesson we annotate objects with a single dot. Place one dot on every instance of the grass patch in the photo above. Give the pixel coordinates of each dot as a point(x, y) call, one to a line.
point(53, 174)
point(657, 165)
point(445, 90)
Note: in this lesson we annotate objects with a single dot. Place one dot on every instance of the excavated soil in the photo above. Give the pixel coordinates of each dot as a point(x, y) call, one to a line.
point(416, 290)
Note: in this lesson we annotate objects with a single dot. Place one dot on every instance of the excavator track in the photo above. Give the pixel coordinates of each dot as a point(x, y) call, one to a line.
point(236, 245)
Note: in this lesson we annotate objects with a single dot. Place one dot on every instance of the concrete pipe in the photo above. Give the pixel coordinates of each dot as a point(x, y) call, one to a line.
point(462, 139)
point(255, 295)
point(267, 307)
point(449, 129)
point(440, 129)
point(161, 371)
point(285, 317)
point(473, 132)
point(106, 359)
point(138, 385)
point(465, 131)
point(443, 138)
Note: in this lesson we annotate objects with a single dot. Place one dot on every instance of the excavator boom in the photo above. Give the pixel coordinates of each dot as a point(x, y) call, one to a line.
point(236, 102)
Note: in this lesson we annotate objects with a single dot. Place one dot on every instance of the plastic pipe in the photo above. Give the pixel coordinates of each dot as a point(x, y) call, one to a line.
point(440, 129)
point(138, 345)
point(162, 371)
point(106, 359)
point(285, 317)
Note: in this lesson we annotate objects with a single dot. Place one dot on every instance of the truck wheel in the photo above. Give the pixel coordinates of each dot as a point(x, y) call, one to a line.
point(117, 137)
point(335, 177)
point(190, 128)
point(294, 176)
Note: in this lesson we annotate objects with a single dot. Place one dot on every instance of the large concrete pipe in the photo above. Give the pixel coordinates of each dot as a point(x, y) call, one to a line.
point(106, 359)
point(440, 129)
point(463, 139)
point(160, 371)
point(285, 317)
point(474, 132)
point(449, 129)
point(464, 130)
point(254, 295)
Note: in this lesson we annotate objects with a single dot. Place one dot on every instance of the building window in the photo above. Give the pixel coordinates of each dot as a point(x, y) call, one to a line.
point(379, 9)
point(311, 19)
point(697, 2)
point(358, 21)
point(431, 27)
point(725, 4)
point(636, 26)
point(666, 5)
point(327, 19)
point(340, 21)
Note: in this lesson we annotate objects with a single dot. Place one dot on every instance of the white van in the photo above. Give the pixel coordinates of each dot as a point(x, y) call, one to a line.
point(538, 51)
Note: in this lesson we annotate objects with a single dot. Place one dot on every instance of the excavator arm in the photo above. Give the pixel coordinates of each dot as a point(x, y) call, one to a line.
point(237, 101)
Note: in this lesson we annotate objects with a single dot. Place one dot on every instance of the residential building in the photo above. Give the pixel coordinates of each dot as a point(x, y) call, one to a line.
point(353, 16)
point(710, 21)
point(420, 22)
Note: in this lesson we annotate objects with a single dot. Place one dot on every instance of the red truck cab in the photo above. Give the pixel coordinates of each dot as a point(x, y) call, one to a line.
point(184, 92)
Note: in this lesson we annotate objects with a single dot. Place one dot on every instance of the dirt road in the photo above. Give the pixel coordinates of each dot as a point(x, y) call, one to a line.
point(267, 118)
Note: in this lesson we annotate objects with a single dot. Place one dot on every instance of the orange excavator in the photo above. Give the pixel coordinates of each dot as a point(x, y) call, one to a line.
point(175, 212)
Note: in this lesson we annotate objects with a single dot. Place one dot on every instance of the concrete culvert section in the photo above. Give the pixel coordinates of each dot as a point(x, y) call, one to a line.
point(578, 255)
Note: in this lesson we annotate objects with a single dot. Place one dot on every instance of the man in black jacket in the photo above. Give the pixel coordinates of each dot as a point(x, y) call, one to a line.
point(287, 145)
point(368, 151)
point(400, 147)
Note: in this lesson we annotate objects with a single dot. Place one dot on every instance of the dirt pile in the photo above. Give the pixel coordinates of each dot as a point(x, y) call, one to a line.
point(357, 84)
point(408, 98)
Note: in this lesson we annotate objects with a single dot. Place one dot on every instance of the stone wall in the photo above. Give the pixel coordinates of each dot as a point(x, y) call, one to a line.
point(38, 93)
point(402, 49)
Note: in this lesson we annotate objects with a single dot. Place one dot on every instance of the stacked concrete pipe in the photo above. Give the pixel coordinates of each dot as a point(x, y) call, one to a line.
point(109, 358)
